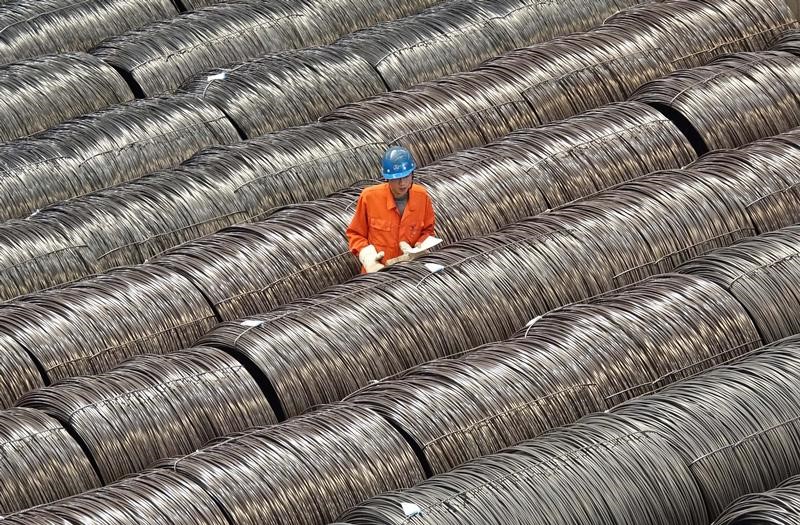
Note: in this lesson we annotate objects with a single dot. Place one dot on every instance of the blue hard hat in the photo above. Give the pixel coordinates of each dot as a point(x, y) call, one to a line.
point(397, 163)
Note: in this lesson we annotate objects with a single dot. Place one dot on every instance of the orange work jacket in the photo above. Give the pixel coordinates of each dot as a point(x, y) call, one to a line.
point(378, 222)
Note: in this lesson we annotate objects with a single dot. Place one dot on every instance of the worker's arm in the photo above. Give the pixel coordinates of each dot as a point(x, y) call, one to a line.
point(428, 221)
point(359, 228)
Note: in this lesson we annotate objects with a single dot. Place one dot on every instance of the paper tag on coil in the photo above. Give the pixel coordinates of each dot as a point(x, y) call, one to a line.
point(218, 76)
point(250, 323)
point(411, 509)
point(433, 267)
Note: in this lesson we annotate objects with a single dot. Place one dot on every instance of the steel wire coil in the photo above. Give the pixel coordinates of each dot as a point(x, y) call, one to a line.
point(299, 250)
point(563, 77)
point(278, 91)
point(734, 100)
point(38, 93)
point(317, 465)
point(457, 36)
point(678, 456)
point(34, 256)
point(41, 461)
point(750, 277)
point(157, 496)
point(780, 506)
point(161, 56)
point(30, 29)
point(490, 286)
point(588, 473)
point(106, 148)
point(131, 222)
point(90, 326)
point(19, 371)
point(788, 41)
point(154, 407)
point(568, 363)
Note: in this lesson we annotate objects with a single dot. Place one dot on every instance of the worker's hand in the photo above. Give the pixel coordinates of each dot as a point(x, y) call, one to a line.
point(405, 247)
point(370, 258)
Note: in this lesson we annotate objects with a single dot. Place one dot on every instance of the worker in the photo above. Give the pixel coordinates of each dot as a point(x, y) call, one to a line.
point(392, 217)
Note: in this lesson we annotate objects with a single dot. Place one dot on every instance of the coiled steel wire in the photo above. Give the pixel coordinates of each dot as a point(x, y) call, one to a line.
point(154, 407)
point(106, 148)
point(789, 41)
point(29, 29)
point(278, 91)
point(301, 249)
point(678, 456)
point(91, 326)
point(489, 287)
point(568, 363)
point(317, 465)
point(41, 461)
point(157, 496)
point(711, 102)
point(749, 279)
point(163, 55)
point(780, 506)
point(40, 92)
point(457, 35)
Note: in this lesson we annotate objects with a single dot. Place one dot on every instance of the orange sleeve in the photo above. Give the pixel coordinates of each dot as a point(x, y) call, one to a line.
point(428, 221)
point(359, 227)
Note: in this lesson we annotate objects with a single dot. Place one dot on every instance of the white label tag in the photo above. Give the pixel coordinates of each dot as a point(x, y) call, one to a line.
point(433, 267)
point(218, 76)
point(411, 509)
point(252, 322)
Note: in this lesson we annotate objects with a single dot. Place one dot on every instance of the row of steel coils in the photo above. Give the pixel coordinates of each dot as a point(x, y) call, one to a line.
point(156, 407)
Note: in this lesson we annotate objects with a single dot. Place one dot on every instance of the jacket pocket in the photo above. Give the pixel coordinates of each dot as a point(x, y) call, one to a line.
point(380, 232)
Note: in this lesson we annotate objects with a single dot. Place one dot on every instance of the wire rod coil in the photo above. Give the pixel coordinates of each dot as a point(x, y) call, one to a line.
point(748, 278)
point(566, 364)
point(154, 407)
point(157, 496)
point(38, 93)
point(41, 461)
point(318, 465)
point(780, 506)
point(106, 148)
point(743, 97)
point(788, 41)
point(161, 56)
point(30, 29)
point(91, 326)
point(278, 91)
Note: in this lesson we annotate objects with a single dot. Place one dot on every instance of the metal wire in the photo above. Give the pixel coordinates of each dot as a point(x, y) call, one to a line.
point(317, 465)
point(278, 91)
point(788, 41)
point(157, 496)
point(161, 56)
point(321, 349)
point(154, 407)
point(300, 249)
point(678, 456)
point(106, 148)
point(568, 363)
point(90, 326)
point(41, 461)
point(780, 506)
point(40, 92)
point(750, 278)
point(29, 29)
point(734, 100)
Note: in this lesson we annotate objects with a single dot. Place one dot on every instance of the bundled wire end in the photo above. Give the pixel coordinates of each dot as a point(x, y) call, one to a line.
point(155, 407)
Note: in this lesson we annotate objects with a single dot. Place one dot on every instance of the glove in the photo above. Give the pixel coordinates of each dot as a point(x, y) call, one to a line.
point(370, 258)
point(406, 249)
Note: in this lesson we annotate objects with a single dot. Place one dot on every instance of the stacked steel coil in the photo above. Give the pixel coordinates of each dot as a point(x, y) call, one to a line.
point(104, 149)
point(41, 92)
point(154, 407)
point(788, 41)
point(161, 56)
point(492, 285)
point(679, 456)
point(780, 506)
point(29, 29)
point(41, 462)
point(254, 94)
point(301, 249)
